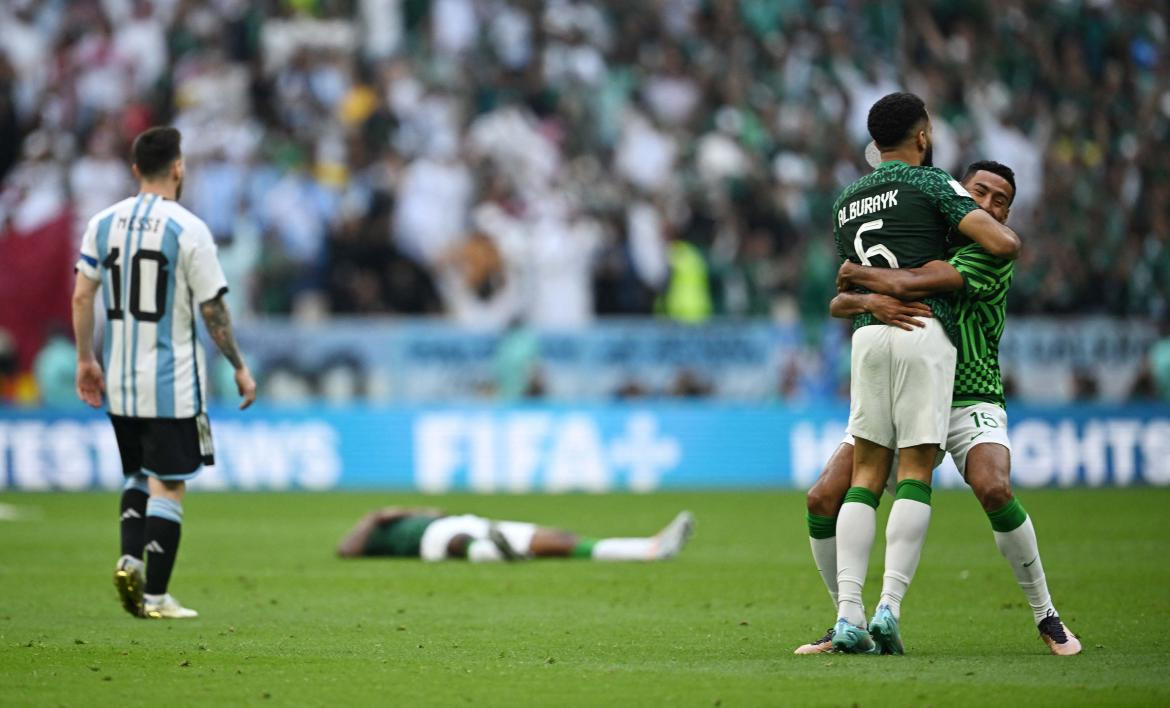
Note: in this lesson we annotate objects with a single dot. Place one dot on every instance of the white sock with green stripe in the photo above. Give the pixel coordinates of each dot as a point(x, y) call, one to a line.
point(1016, 539)
point(625, 549)
point(905, 535)
point(856, 526)
point(822, 538)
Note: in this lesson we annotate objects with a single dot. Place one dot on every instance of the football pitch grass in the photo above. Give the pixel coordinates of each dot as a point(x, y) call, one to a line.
point(284, 622)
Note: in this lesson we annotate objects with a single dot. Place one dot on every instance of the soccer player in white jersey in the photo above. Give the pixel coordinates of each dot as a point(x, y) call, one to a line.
point(155, 263)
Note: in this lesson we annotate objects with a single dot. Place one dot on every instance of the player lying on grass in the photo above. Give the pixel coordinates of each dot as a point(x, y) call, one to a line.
point(434, 535)
point(977, 438)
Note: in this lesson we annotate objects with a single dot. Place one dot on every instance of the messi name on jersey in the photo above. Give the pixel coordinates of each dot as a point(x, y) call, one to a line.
point(140, 223)
point(866, 205)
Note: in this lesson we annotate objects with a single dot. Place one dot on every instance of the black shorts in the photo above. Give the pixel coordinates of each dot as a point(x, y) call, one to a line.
point(166, 448)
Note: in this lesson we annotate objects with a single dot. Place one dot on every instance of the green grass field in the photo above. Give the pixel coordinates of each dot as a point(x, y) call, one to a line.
point(285, 622)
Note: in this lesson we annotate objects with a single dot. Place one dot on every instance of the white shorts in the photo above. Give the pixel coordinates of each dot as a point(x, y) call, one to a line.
point(970, 426)
point(433, 546)
point(901, 384)
point(975, 425)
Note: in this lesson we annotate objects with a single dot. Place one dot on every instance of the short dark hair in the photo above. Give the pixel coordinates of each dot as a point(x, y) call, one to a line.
point(893, 117)
point(995, 168)
point(155, 149)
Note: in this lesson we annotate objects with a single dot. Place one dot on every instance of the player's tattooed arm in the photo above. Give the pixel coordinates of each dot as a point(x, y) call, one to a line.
point(219, 326)
point(888, 310)
point(903, 283)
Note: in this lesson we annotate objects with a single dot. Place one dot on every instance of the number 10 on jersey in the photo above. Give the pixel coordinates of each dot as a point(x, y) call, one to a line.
point(141, 270)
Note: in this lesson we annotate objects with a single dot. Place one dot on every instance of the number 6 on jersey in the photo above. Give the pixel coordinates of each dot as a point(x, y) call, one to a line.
point(878, 249)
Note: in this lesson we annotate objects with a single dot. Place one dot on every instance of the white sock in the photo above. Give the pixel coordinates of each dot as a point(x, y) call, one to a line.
point(824, 552)
point(1019, 546)
point(483, 551)
point(625, 549)
point(153, 599)
point(856, 525)
point(905, 534)
point(130, 562)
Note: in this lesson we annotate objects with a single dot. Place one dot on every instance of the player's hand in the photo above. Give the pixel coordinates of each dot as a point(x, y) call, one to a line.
point(90, 382)
point(844, 273)
point(894, 312)
point(246, 386)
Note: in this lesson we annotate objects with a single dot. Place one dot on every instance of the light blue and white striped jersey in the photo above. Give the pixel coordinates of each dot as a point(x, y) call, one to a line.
point(157, 263)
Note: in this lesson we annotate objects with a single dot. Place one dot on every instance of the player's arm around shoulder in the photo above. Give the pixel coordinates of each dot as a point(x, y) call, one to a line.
point(983, 274)
point(932, 278)
point(961, 211)
point(887, 310)
point(997, 239)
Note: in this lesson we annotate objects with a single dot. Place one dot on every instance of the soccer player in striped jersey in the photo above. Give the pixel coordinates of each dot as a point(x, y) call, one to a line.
point(977, 438)
point(155, 264)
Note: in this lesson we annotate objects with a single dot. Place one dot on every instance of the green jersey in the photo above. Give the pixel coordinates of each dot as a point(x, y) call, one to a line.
point(899, 216)
point(400, 537)
point(980, 310)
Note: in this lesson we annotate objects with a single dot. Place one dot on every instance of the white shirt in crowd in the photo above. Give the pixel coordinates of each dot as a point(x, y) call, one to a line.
point(433, 202)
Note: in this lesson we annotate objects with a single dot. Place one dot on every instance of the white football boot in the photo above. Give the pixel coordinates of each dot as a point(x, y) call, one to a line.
point(166, 607)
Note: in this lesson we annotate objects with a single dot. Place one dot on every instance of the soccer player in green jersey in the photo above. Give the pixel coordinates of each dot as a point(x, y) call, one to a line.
point(898, 216)
point(433, 535)
point(977, 438)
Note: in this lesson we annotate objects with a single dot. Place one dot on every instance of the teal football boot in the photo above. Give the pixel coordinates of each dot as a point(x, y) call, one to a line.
point(884, 630)
point(851, 639)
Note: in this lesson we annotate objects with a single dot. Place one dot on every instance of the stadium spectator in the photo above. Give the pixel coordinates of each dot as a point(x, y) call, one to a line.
point(55, 368)
point(636, 138)
point(1159, 364)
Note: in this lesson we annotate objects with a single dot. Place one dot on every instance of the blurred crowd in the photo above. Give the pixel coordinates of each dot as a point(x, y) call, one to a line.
point(546, 161)
point(543, 162)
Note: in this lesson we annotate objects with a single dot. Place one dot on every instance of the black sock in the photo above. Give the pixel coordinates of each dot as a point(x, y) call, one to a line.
point(164, 521)
point(133, 522)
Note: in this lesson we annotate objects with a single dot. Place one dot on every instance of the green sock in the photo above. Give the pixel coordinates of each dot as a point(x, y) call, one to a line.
point(584, 548)
point(862, 495)
point(821, 526)
point(915, 490)
point(1009, 517)
point(822, 538)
